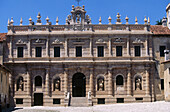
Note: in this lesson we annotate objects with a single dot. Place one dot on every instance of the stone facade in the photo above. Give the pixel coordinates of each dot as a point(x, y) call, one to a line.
point(104, 63)
point(168, 15)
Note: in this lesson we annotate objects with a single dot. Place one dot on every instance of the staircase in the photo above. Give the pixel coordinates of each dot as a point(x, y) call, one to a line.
point(79, 102)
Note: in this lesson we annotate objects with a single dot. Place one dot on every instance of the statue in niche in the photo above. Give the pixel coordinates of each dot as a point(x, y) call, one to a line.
point(57, 85)
point(101, 84)
point(138, 84)
point(20, 86)
point(78, 18)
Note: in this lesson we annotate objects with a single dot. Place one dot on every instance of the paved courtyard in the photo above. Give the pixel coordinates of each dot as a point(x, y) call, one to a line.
point(131, 107)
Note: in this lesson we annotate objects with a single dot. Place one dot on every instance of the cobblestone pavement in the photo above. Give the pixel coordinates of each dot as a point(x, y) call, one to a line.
point(131, 107)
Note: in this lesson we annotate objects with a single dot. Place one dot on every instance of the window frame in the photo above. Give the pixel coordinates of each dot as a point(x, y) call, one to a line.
point(36, 55)
point(56, 54)
point(118, 50)
point(160, 52)
point(98, 51)
point(18, 53)
point(138, 51)
point(76, 54)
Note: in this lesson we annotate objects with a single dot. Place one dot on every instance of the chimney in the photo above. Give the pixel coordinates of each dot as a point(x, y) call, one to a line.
point(166, 55)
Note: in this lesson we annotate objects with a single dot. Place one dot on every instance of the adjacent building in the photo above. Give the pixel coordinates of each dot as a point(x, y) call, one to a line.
point(4, 77)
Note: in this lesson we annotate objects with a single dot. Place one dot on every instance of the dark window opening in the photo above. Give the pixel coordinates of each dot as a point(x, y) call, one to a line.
point(56, 101)
point(119, 80)
point(139, 99)
point(38, 51)
point(120, 100)
point(137, 50)
point(100, 51)
point(161, 49)
point(19, 101)
point(78, 51)
point(56, 51)
point(20, 52)
point(162, 84)
point(118, 50)
point(101, 101)
point(38, 81)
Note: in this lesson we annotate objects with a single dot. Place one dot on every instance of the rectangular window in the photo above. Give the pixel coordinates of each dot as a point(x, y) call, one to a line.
point(56, 51)
point(162, 84)
point(38, 51)
point(56, 101)
point(101, 101)
point(78, 51)
point(100, 51)
point(19, 101)
point(161, 49)
point(118, 50)
point(139, 99)
point(120, 100)
point(20, 52)
point(137, 50)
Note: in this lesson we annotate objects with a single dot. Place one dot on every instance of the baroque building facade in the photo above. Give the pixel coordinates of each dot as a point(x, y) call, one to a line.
point(82, 63)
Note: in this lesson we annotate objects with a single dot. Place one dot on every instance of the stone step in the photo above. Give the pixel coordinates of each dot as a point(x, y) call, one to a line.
point(79, 102)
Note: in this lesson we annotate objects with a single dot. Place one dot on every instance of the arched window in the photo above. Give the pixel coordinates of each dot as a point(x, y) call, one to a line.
point(57, 84)
point(100, 83)
point(138, 82)
point(38, 81)
point(119, 80)
point(20, 84)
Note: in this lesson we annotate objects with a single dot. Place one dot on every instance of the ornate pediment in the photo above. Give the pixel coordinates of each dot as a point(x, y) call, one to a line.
point(39, 41)
point(137, 40)
point(57, 41)
point(119, 40)
point(20, 42)
point(100, 41)
point(78, 41)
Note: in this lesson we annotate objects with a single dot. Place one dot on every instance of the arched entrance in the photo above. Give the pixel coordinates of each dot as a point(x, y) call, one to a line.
point(79, 85)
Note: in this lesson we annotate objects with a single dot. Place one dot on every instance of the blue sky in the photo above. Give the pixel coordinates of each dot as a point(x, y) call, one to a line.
point(155, 9)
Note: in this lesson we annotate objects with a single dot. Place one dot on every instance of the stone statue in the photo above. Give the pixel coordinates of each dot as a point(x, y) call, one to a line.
point(20, 84)
point(138, 84)
point(57, 85)
point(101, 84)
point(78, 18)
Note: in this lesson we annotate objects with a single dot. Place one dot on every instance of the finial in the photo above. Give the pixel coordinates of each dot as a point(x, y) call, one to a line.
point(83, 7)
point(110, 19)
point(148, 20)
point(57, 20)
point(39, 19)
point(100, 20)
point(30, 21)
point(90, 21)
point(21, 22)
point(118, 19)
point(127, 19)
point(8, 22)
point(72, 7)
point(47, 20)
point(136, 20)
point(145, 20)
point(12, 21)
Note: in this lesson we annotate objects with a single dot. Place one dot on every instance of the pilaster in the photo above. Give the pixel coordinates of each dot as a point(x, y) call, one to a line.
point(129, 82)
point(47, 89)
point(91, 82)
point(110, 92)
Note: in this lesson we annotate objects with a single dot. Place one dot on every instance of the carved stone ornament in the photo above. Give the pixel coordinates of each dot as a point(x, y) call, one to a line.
point(57, 85)
point(119, 40)
point(20, 85)
point(137, 40)
point(57, 41)
point(39, 41)
point(20, 42)
point(100, 41)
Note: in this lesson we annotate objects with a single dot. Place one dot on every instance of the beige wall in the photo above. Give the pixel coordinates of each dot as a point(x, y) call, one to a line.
point(167, 81)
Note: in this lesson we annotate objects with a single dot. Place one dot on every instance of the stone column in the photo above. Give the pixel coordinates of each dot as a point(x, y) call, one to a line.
point(110, 92)
point(91, 81)
point(29, 47)
point(28, 83)
point(66, 48)
point(147, 47)
point(11, 85)
point(147, 81)
point(91, 47)
point(128, 47)
point(47, 50)
point(47, 89)
point(129, 82)
point(10, 49)
point(65, 81)
point(110, 47)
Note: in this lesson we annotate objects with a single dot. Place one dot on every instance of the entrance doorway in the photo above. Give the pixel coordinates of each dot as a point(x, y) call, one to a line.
point(79, 85)
point(38, 99)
